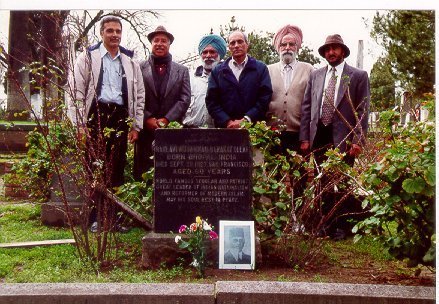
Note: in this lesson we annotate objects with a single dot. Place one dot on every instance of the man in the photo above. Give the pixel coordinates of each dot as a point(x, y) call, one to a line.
point(212, 48)
point(335, 106)
point(167, 95)
point(288, 79)
point(240, 88)
point(235, 255)
point(107, 89)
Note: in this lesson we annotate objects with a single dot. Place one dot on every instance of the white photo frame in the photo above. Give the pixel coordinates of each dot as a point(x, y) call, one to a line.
point(237, 245)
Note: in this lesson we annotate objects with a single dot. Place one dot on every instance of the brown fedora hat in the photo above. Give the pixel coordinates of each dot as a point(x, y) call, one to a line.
point(160, 30)
point(334, 39)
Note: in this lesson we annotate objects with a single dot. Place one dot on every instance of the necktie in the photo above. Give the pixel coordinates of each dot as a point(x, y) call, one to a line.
point(288, 73)
point(328, 100)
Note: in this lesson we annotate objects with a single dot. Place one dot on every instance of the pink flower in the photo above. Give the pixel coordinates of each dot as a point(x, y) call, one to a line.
point(213, 235)
point(193, 227)
point(182, 229)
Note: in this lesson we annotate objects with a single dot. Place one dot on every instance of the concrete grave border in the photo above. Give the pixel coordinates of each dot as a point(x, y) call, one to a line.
point(224, 292)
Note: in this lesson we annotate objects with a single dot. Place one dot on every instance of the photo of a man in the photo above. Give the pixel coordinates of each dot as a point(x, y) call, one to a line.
point(235, 254)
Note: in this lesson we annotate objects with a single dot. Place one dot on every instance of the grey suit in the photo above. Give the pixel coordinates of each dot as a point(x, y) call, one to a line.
point(172, 105)
point(349, 123)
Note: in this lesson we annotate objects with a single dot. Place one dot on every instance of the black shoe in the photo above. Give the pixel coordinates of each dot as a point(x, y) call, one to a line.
point(338, 235)
point(122, 229)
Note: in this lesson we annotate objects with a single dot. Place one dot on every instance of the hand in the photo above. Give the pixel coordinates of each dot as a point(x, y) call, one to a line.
point(133, 135)
point(162, 122)
point(304, 147)
point(234, 124)
point(355, 150)
point(151, 124)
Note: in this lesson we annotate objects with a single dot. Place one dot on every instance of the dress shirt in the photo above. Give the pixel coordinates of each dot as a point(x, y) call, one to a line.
point(197, 115)
point(111, 91)
point(338, 71)
point(237, 67)
point(287, 78)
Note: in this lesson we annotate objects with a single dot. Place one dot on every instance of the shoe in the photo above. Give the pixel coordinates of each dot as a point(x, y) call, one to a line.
point(94, 227)
point(121, 229)
point(338, 235)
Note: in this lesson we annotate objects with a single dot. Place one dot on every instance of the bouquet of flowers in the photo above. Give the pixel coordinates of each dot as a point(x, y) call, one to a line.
point(197, 233)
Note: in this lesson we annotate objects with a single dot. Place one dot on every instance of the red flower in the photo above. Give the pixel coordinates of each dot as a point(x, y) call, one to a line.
point(182, 229)
point(213, 235)
point(193, 227)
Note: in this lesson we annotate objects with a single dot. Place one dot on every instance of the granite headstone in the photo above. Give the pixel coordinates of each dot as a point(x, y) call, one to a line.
point(201, 172)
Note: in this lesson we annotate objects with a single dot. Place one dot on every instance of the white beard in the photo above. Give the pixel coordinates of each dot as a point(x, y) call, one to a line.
point(209, 64)
point(288, 57)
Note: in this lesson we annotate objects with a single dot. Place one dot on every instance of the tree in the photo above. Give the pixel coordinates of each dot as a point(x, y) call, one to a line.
point(261, 46)
point(382, 86)
point(409, 40)
point(17, 59)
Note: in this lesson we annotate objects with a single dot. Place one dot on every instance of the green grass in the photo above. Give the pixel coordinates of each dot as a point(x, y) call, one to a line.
point(60, 263)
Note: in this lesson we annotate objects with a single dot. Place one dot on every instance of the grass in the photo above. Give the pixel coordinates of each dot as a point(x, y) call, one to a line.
point(21, 222)
point(60, 263)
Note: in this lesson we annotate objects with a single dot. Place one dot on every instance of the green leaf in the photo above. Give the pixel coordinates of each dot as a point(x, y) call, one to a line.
point(259, 190)
point(413, 185)
point(281, 205)
point(430, 175)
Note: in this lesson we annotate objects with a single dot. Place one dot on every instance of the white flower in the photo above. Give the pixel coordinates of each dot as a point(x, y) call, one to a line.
point(206, 226)
point(177, 239)
point(195, 263)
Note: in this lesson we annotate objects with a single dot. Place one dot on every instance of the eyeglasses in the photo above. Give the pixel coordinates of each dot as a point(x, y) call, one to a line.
point(285, 44)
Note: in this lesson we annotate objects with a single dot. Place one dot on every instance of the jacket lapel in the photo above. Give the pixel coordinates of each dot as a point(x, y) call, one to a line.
point(344, 83)
point(149, 80)
point(320, 84)
point(173, 76)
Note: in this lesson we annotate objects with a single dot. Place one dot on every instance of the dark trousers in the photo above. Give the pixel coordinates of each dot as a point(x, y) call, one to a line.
point(106, 148)
point(323, 141)
point(143, 150)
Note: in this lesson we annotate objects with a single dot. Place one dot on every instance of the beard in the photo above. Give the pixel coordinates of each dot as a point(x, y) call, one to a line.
point(288, 57)
point(210, 63)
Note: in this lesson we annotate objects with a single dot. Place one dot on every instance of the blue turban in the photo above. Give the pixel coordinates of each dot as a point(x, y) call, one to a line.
point(217, 42)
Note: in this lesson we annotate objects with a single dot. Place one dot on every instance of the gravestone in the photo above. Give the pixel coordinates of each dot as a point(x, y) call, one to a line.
point(201, 172)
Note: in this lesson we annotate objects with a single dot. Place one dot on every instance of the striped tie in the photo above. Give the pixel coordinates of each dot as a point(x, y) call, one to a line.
point(328, 100)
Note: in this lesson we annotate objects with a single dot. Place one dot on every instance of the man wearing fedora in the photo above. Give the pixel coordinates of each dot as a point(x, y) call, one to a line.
point(335, 106)
point(167, 96)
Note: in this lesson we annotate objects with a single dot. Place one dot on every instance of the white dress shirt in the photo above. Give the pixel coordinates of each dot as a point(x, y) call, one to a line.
point(237, 67)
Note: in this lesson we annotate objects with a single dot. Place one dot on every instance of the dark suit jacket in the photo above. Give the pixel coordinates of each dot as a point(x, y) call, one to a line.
point(230, 259)
point(173, 105)
point(227, 98)
point(177, 95)
point(350, 122)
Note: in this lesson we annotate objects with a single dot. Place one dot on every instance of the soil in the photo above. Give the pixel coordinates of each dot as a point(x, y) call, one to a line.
point(346, 269)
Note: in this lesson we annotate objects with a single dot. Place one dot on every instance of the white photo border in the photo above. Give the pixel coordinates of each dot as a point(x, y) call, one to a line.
point(222, 240)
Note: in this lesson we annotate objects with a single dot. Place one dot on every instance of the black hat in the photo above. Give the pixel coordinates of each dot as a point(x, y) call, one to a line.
point(334, 39)
point(160, 30)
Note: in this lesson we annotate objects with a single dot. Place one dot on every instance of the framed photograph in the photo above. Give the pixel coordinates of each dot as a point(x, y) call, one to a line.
point(237, 245)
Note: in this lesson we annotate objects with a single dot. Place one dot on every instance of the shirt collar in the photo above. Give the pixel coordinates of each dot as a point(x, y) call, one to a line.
point(339, 68)
point(240, 64)
point(103, 51)
point(292, 65)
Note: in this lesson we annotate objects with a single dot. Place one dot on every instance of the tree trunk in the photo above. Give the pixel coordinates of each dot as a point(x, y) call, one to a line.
point(18, 93)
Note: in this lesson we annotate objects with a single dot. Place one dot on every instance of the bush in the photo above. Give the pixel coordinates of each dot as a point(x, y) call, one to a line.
point(402, 191)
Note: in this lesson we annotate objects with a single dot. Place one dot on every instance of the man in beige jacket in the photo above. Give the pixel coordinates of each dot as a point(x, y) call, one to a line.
point(288, 79)
point(107, 93)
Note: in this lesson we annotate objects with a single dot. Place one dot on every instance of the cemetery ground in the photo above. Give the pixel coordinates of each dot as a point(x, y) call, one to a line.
point(343, 261)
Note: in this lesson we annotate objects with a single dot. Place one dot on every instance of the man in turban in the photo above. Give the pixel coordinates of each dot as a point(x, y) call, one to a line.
point(288, 79)
point(212, 48)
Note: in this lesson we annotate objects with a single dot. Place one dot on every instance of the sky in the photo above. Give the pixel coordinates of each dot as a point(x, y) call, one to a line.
point(189, 20)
